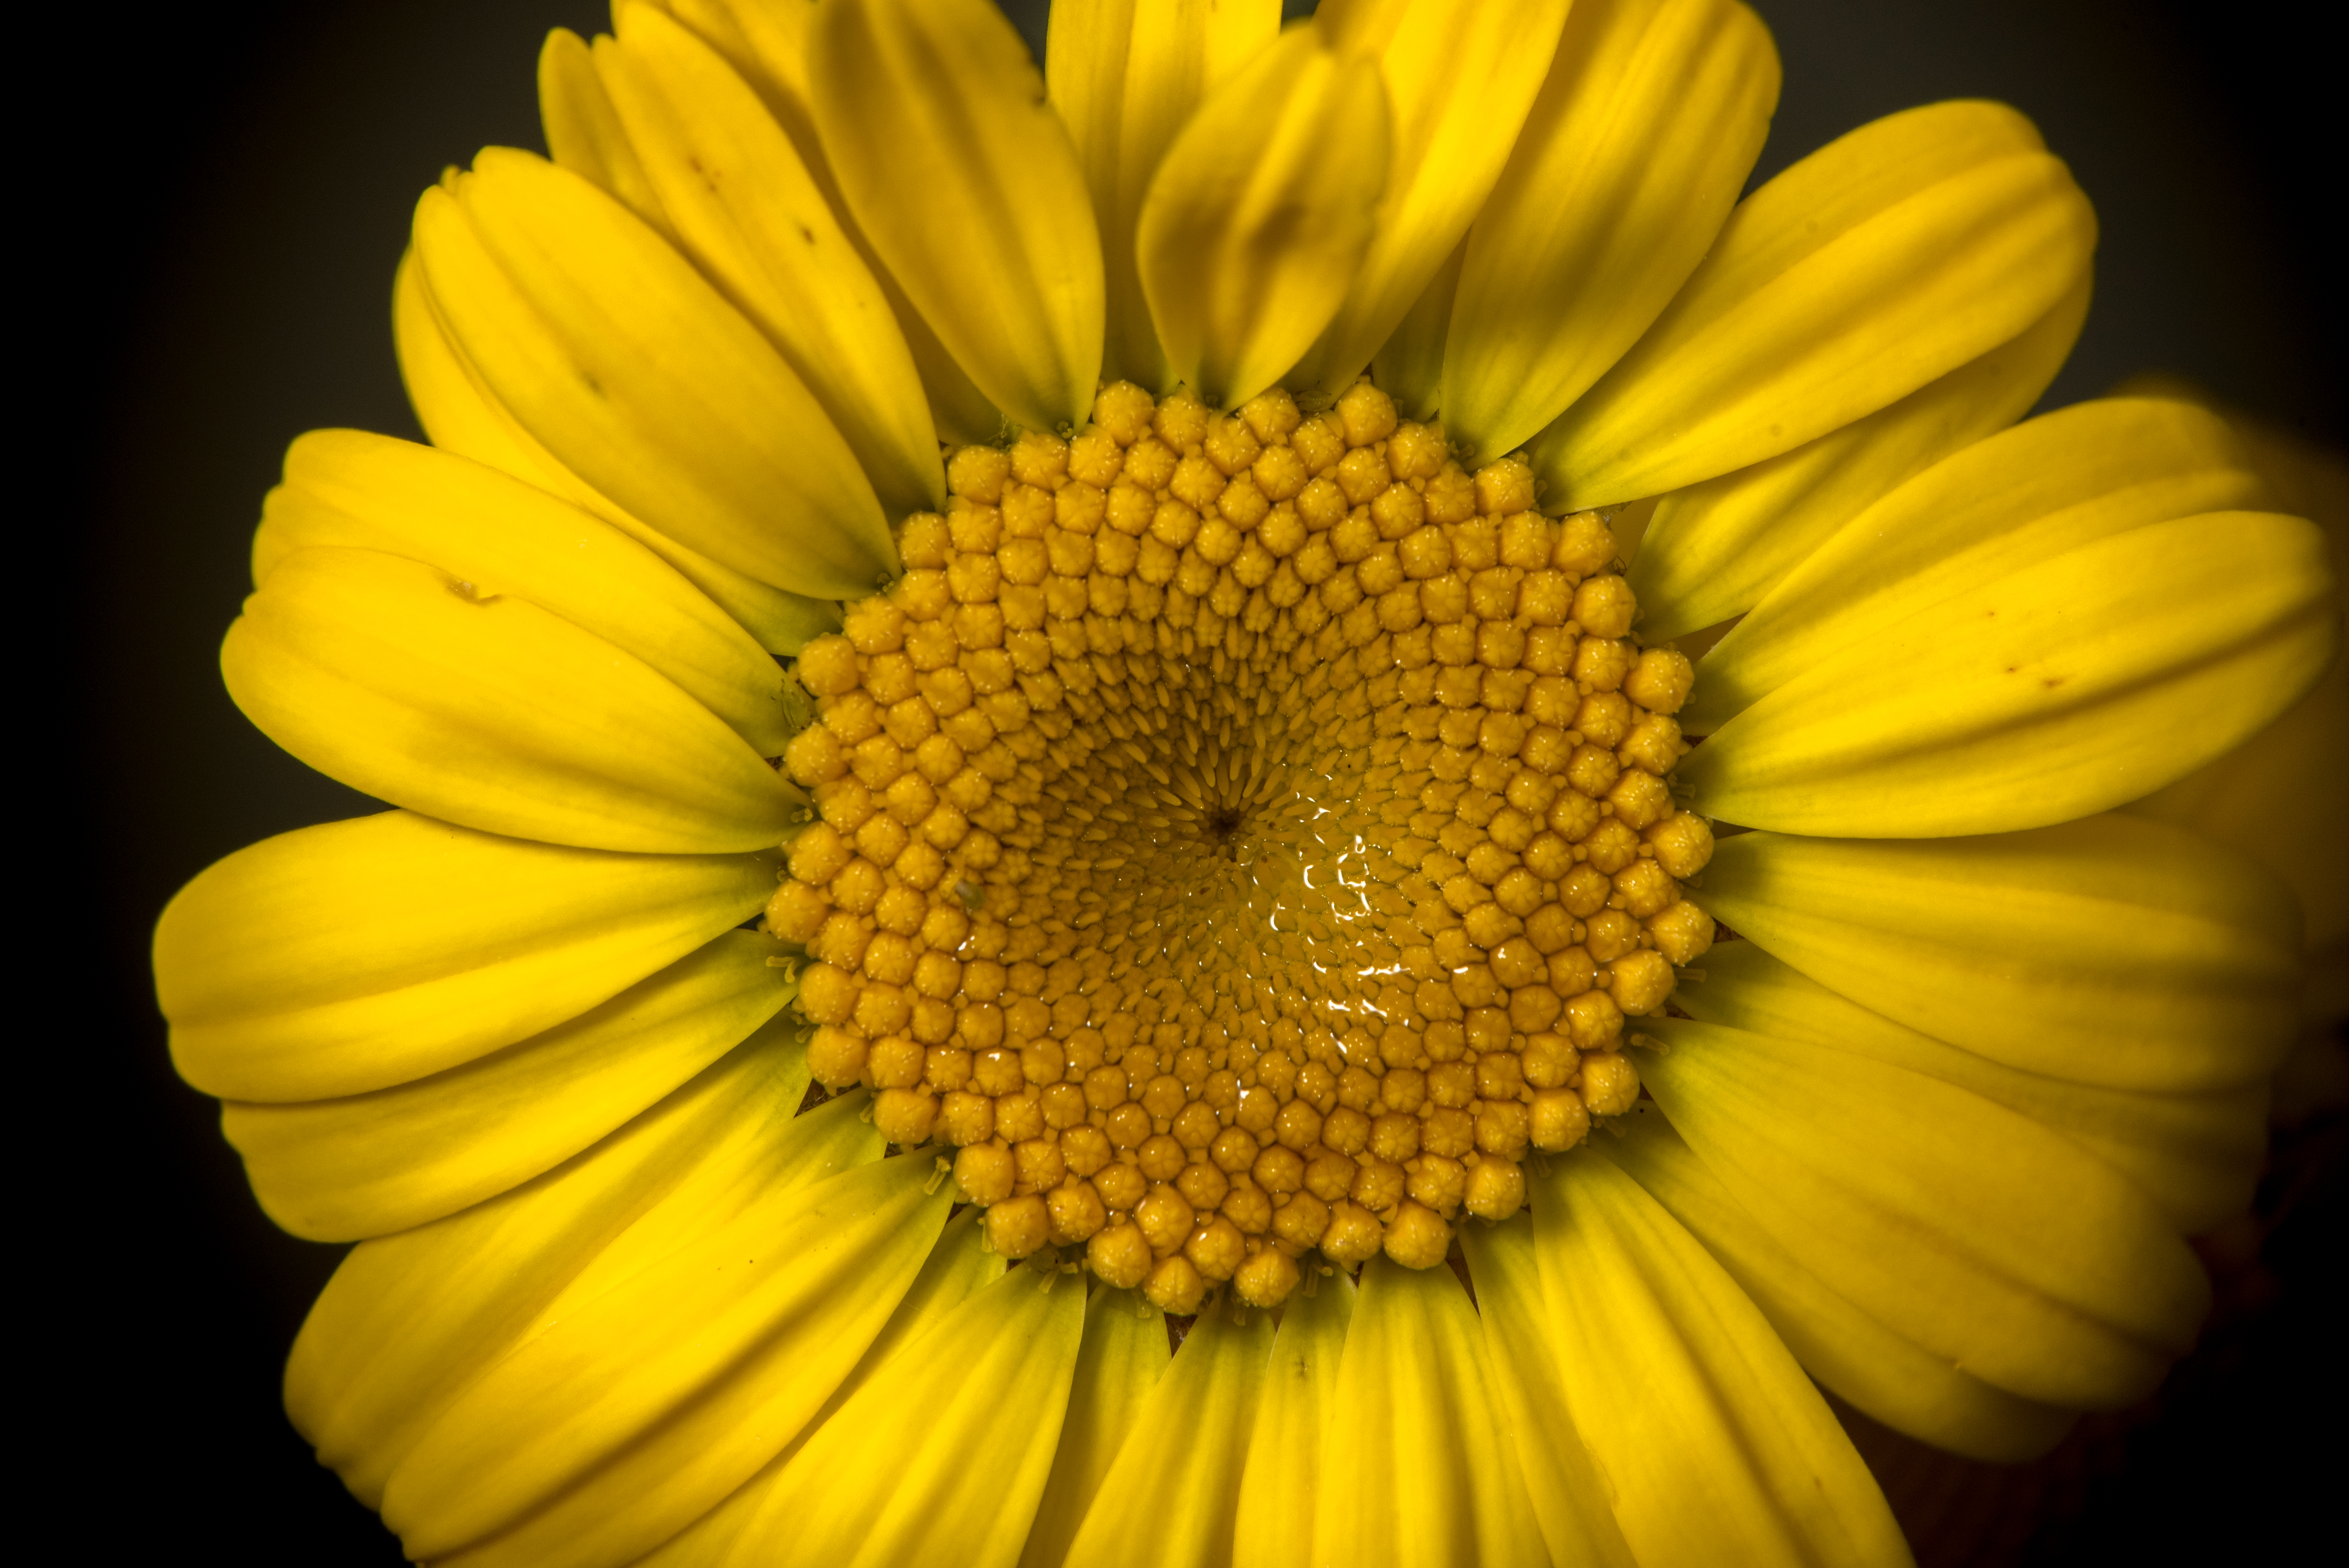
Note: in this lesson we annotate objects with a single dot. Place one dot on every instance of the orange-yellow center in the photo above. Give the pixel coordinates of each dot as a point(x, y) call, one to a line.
point(1241, 835)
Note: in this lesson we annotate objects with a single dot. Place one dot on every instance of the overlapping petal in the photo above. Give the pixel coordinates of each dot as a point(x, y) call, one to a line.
point(1888, 1377)
point(1570, 1497)
point(959, 1264)
point(767, 44)
point(635, 374)
point(347, 489)
point(1882, 262)
point(365, 1165)
point(1124, 1356)
point(1409, 368)
point(942, 1454)
point(1414, 1365)
point(1714, 551)
point(744, 209)
point(2197, 1155)
point(1189, 1440)
point(410, 1321)
point(2108, 950)
point(2275, 798)
point(2063, 688)
point(1962, 1225)
point(965, 182)
point(1713, 1444)
point(1124, 77)
point(583, 132)
point(354, 956)
point(460, 416)
point(1650, 118)
point(1284, 1477)
point(640, 1403)
point(1991, 509)
point(1460, 76)
point(407, 682)
point(1260, 212)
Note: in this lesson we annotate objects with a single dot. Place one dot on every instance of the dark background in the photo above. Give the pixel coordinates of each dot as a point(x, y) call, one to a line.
point(214, 199)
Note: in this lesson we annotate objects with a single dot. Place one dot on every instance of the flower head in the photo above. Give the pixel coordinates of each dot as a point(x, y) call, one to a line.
point(1349, 614)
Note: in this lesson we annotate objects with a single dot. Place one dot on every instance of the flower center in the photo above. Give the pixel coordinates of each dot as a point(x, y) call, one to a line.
point(1242, 835)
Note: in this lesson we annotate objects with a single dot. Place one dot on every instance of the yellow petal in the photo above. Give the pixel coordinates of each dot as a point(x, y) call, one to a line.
point(1416, 1467)
point(942, 1456)
point(1570, 1498)
point(636, 1407)
point(1883, 261)
point(583, 132)
point(767, 46)
point(1460, 76)
point(350, 488)
point(1962, 1225)
point(485, 711)
point(2107, 951)
point(2276, 798)
point(1714, 1445)
point(1714, 550)
point(637, 376)
point(1410, 364)
point(1260, 213)
point(748, 213)
point(1124, 1356)
point(2197, 1155)
point(1284, 1473)
point(958, 1265)
point(408, 1321)
point(1189, 1443)
point(2016, 500)
point(1652, 117)
point(961, 413)
point(334, 960)
point(2066, 688)
point(1088, 55)
point(459, 416)
point(1124, 78)
point(768, 43)
point(1415, 1463)
point(1893, 1380)
point(1087, 52)
point(963, 179)
point(339, 1170)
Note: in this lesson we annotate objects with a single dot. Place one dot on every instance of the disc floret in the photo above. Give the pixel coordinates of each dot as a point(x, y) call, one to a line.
point(1241, 835)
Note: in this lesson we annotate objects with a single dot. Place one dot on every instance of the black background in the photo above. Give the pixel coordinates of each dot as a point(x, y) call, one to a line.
point(211, 202)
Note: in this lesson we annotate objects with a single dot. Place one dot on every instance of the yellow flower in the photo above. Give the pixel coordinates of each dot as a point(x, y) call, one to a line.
point(1248, 525)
